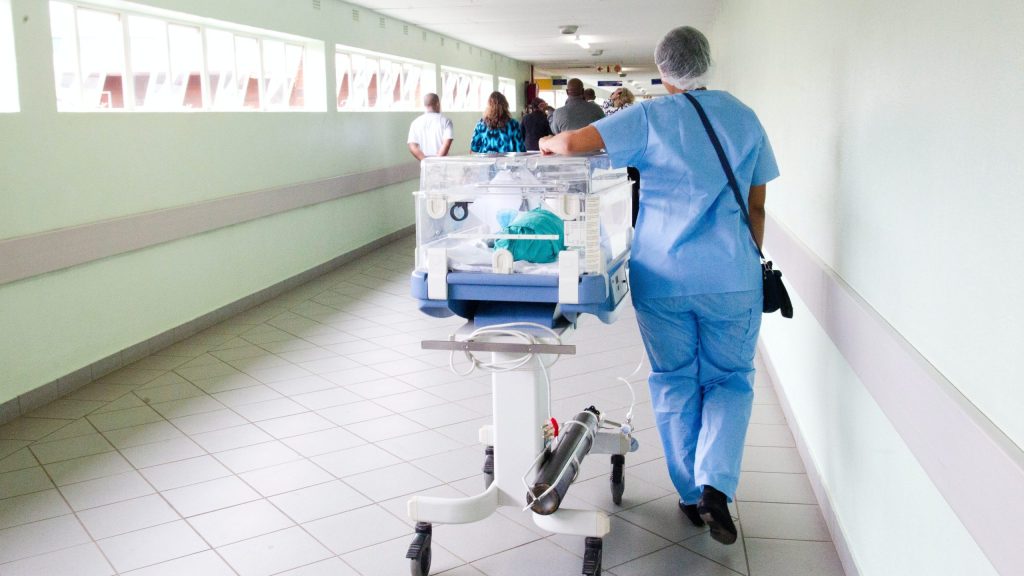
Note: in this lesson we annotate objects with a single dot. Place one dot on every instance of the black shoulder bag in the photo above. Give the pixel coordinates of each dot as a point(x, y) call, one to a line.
point(775, 295)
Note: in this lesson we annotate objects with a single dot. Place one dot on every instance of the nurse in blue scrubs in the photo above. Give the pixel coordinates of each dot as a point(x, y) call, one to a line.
point(695, 273)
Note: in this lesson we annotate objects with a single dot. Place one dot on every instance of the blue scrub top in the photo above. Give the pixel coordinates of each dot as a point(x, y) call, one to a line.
point(690, 234)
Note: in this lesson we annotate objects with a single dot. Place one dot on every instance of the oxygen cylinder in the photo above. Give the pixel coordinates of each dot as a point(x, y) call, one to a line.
point(559, 469)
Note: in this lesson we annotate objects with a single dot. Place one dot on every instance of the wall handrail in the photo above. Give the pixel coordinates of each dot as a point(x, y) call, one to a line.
point(30, 255)
point(956, 444)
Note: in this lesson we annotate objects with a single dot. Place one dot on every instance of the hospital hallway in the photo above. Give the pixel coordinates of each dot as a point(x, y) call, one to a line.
point(280, 442)
point(257, 260)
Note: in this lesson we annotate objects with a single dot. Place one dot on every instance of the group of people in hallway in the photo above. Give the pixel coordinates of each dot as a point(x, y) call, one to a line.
point(498, 132)
point(694, 273)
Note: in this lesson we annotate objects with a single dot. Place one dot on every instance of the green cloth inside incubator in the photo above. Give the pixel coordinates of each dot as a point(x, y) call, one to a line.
point(536, 221)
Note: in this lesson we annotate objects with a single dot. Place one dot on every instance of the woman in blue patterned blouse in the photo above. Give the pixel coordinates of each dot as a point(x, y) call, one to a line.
point(497, 131)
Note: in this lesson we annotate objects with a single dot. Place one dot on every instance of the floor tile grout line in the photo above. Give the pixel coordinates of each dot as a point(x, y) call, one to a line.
point(234, 474)
point(407, 536)
point(778, 502)
point(787, 539)
point(677, 545)
point(706, 557)
point(73, 513)
point(170, 506)
point(743, 543)
point(27, 417)
point(160, 493)
point(670, 541)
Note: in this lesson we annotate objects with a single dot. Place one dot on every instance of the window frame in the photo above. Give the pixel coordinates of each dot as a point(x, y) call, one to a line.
point(510, 88)
point(312, 55)
point(427, 80)
point(457, 104)
point(9, 98)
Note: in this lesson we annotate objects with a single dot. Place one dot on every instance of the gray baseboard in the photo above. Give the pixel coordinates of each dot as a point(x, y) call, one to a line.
point(68, 383)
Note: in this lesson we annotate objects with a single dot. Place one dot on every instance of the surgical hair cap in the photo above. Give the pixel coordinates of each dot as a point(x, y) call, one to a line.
point(683, 57)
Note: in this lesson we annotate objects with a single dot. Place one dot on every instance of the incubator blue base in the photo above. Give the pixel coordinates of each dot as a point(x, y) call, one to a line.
point(488, 298)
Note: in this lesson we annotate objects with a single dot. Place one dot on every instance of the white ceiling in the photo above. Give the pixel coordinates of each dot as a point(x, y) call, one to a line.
point(528, 30)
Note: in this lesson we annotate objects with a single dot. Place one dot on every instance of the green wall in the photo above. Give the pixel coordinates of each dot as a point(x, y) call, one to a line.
point(63, 170)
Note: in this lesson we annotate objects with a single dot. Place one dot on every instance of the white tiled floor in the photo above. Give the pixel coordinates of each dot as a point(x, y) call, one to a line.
point(288, 439)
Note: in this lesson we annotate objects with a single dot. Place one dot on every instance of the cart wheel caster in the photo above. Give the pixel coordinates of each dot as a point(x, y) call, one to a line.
point(488, 466)
point(592, 557)
point(618, 479)
point(419, 550)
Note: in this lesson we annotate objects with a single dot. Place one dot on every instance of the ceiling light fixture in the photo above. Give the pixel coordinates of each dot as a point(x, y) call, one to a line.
point(582, 43)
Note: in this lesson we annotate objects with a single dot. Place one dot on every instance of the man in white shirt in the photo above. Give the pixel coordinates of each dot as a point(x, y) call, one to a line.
point(431, 134)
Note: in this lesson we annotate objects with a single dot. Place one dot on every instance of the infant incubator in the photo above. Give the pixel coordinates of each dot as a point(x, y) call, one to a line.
point(520, 246)
point(553, 232)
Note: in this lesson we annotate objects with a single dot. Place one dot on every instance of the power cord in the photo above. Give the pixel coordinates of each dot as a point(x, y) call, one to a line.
point(508, 330)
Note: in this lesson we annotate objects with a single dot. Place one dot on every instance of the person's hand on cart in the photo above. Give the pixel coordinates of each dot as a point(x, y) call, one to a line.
point(586, 139)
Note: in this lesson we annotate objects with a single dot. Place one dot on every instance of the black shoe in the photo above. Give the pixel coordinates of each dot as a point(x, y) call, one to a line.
point(714, 509)
point(691, 512)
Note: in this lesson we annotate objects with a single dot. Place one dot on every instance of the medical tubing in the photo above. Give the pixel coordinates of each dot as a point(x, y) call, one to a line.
point(632, 392)
point(511, 364)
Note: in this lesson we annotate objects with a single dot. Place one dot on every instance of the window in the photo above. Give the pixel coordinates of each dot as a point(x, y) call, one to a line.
point(464, 91)
point(233, 70)
point(167, 65)
point(175, 63)
point(8, 63)
point(373, 81)
point(507, 87)
point(554, 98)
point(88, 57)
point(282, 69)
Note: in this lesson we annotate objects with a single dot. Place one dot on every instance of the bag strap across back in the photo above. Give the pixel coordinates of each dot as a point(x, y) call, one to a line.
point(725, 166)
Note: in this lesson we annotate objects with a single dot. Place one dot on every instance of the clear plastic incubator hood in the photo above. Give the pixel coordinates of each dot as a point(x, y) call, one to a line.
point(545, 235)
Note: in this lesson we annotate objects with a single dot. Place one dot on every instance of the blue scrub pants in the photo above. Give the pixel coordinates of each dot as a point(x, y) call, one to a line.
point(701, 350)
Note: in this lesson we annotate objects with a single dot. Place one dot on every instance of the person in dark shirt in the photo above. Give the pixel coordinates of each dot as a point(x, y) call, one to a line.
point(535, 124)
point(577, 112)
